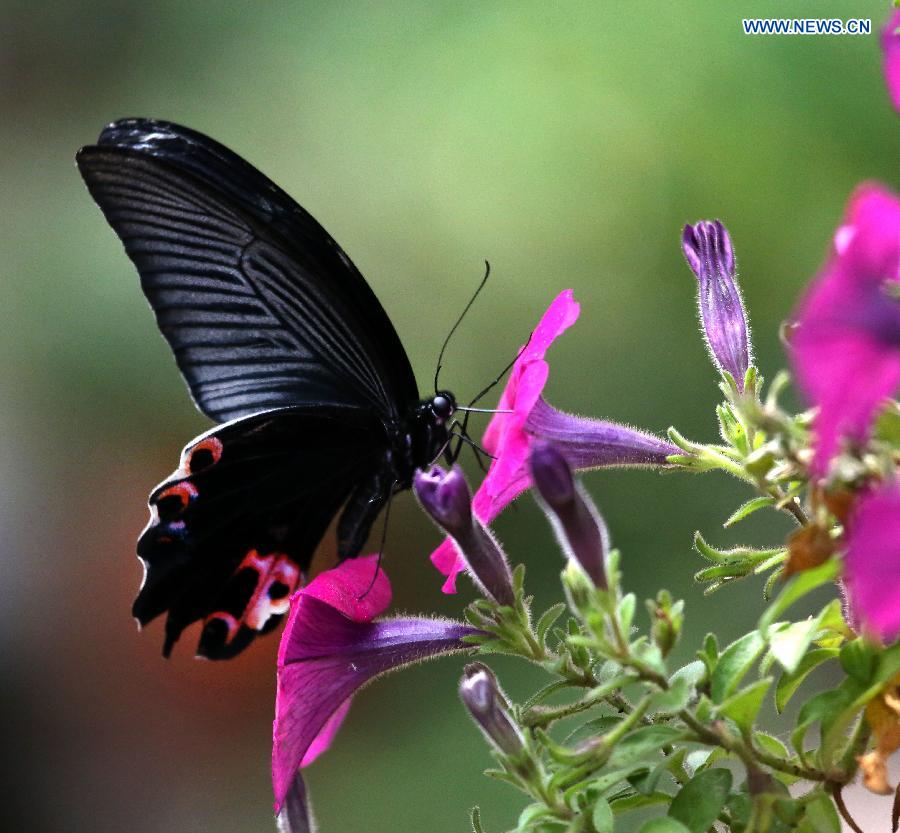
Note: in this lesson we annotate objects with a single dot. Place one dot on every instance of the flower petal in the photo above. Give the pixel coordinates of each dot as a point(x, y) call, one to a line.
point(873, 561)
point(846, 351)
point(504, 436)
point(325, 658)
point(890, 45)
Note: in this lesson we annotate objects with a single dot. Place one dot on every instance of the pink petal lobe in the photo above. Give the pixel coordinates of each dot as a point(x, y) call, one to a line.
point(890, 45)
point(324, 659)
point(326, 733)
point(349, 588)
point(846, 351)
point(505, 435)
point(873, 561)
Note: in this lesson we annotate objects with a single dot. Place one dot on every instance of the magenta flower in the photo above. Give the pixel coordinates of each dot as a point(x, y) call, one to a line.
point(586, 443)
point(890, 46)
point(331, 648)
point(846, 350)
point(708, 251)
point(873, 561)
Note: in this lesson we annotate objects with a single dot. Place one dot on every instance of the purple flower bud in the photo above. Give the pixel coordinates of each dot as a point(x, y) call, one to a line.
point(578, 525)
point(707, 248)
point(481, 695)
point(445, 497)
point(295, 815)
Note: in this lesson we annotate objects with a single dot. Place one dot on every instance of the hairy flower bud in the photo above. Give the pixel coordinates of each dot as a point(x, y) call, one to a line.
point(481, 695)
point(578, 525)
point(445, 497)
point(708, 251)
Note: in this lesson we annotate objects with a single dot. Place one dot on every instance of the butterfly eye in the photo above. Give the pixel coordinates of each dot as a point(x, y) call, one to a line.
point(201, 456)
point(442, 406)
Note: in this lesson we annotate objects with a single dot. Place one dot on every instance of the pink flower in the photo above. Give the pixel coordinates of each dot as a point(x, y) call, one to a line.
point(873, 561)
point(846, 350)
point(586, 443)
point(330, 648)
point(890, 45)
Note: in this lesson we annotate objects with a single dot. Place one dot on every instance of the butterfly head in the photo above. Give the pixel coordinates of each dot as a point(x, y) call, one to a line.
point(443, 406)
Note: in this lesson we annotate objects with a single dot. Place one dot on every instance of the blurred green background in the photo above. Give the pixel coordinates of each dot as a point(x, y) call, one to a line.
point(568, 143)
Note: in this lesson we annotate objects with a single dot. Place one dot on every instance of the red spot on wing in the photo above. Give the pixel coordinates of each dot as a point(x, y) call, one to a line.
point(185, 491)
point(201, 455)
point(277, 579)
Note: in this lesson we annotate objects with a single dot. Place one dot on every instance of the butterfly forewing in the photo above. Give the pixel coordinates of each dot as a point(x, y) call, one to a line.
point(250, 328)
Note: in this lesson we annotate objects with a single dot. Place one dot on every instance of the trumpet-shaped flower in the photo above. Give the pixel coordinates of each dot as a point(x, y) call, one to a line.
point(586, 443)
point(846, 349)
point(331, 648)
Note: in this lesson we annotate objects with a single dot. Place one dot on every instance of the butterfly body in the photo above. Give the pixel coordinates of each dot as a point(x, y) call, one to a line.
point(281, 341)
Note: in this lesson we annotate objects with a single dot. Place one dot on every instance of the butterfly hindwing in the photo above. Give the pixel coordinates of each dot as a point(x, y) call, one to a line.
point(234, 528)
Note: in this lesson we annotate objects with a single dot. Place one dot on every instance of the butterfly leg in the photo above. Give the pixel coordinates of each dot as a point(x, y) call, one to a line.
point(360, 512)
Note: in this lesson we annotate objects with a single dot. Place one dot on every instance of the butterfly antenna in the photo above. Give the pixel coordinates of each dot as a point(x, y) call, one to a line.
point(384, 531)
point(502, 373)
point(437, 372)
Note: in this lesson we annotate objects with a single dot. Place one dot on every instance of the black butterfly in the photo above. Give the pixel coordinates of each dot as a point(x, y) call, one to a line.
point(280, 338)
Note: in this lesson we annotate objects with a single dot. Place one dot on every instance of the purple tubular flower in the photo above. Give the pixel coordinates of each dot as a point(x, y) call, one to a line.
point(330, 649)
point(524, 417)
point(446, 498)
point(846, 349)
point(481, 695)
point(707, 249)
point(596, 443)
point(579, 527)
point(872, 564)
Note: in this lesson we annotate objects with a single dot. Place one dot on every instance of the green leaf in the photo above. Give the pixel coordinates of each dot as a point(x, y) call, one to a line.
point(673, 699)
point(859, 659)
point(743, 706)
point(610, 779)
point(709, 656)
point(789, 643)
point(700, 801)
point(663, 825)
point(771, 744)
point(626, 613)
point(796, 588)
point(748, 508)
point(734, 663)
point(475, 817)
point(820, 817)
point(789, 683)
point(693, 673)
point(548, 619)
point(532, 813)
point(602, 816)
point(642, 742)
point(829, 708)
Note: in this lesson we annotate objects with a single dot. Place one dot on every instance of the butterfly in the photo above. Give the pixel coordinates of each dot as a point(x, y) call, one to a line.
point(281, 341)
